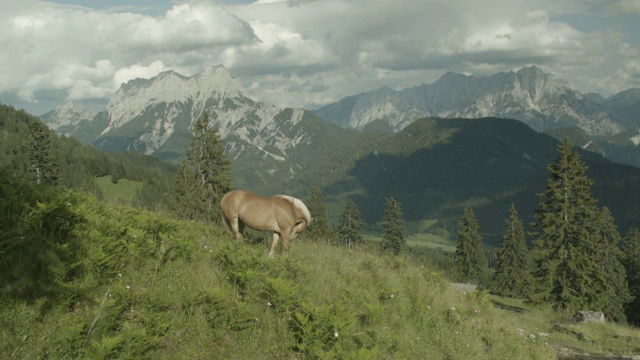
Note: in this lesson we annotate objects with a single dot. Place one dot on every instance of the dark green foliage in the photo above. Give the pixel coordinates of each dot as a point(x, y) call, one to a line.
point(572, 240)
point(471, 263)
point(204, 176)
point(611, 276)
point(40, 251)
point(393, 240)
point(319, 228)
point(38, 151)
point(631, 261)
point(512, 269)
point(351, 226)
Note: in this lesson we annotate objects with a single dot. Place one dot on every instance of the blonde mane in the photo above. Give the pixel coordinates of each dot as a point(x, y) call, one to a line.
point(300, 205)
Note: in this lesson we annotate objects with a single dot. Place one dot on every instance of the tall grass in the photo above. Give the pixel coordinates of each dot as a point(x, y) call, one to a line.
point(158, 288)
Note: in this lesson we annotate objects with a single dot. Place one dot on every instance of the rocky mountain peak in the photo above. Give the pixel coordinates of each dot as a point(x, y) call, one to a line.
point(66, 115)
point(539, 99)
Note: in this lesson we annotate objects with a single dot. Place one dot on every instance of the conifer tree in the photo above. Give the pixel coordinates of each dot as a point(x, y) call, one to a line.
point(631, 261)
point(564, 249)
point(393, 239)
point(351, 226)
point(204, 175)
point(512, 275)
point(319, 228)
point(471, 263)
point(613, 291)
point(38, 152)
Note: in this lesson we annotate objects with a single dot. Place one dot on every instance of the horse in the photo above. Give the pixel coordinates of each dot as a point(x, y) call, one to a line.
point(285, 215)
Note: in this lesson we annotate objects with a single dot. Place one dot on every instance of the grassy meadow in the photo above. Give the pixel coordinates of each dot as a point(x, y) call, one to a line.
point(151, 287)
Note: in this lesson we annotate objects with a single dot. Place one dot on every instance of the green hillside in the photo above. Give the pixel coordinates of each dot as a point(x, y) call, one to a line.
point(435, 167)
point(82, 276)
point(141, 285)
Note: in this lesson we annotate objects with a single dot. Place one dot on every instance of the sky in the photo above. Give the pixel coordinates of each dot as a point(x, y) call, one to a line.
point(307, 53)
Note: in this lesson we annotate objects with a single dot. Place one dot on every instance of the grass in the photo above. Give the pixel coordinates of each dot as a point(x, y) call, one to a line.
point(122, 192)
point(159, 288)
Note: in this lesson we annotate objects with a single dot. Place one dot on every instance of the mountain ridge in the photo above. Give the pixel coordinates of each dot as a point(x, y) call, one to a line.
point(540, 100)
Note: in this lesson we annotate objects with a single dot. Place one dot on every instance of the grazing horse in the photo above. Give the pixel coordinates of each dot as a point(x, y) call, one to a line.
point(285, 215)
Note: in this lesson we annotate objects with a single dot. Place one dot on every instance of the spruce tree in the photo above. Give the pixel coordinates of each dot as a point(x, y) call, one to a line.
point(319, 228)
point(204, 176)
point(393, 240)
point(471, 263)
point(351, 226)
point(512, 275)
point(611, 276)
point(38, 151)
point(631, 261)
point(564, 249)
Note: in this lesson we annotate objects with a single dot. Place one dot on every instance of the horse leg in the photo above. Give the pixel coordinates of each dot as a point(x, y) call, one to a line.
point(236, 227)
point(285, 240)
point(274, 244)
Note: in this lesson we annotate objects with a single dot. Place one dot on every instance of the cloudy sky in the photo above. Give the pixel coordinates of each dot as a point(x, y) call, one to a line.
point(307, 53)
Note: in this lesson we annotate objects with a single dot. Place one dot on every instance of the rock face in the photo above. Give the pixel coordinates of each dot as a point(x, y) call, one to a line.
point(589, 316)
point(155, 116)
point(538, 99)
point(66, 118)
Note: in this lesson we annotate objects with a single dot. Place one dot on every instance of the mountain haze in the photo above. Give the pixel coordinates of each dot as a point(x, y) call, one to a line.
point(530, 95)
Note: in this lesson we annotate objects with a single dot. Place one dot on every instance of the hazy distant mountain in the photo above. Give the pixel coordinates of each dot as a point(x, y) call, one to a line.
point(66, 119)
point(626, 104)
point(530, 95)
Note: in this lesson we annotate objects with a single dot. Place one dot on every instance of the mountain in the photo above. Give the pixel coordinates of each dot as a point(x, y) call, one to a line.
point(65, 119)
point(626, 104)
point(154, 116)
point(433, 166)
point(530, 95)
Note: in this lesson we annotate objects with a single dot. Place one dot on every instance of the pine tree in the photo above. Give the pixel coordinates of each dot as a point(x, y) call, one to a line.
point(512, 275)
point(613, 291)
point(631, 261)
point(351, 226)
point(184, 201)
point(567, 272)
point(319, 228)
point(393, 239)
point(471, 263)
point(204, 176)
point(38, 151)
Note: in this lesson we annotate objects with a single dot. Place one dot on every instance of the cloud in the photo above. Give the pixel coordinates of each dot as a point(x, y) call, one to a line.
point(49, 46)
point(305, 53)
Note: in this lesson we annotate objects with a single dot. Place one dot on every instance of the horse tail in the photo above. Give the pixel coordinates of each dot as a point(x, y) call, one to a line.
point(300, 205)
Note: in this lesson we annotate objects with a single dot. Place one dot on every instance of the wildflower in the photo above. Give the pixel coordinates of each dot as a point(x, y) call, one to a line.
point(119, 275)
point(128, 287)
point(268, 304)
point(392, 296)
point(335, 334)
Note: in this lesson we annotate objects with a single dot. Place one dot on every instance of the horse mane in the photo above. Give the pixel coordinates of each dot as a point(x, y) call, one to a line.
point(300, 205)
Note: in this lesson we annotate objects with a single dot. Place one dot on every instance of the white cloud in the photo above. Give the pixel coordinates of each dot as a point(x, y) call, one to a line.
point(122, 75)
point(306, 53)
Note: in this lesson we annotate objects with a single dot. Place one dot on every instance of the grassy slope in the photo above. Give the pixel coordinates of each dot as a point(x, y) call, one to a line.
point(170, 289)
point(120, 193)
